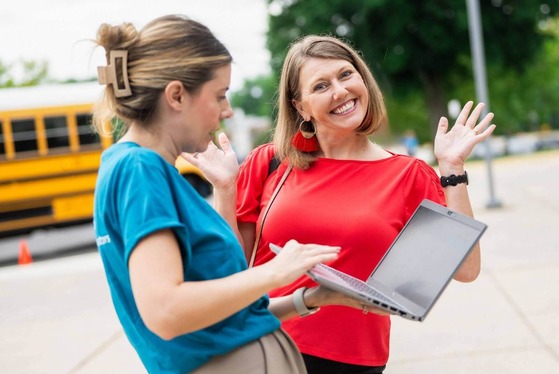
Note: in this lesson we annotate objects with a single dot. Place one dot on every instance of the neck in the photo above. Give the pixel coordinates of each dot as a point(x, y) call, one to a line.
point(355, 147)
point(155, 141)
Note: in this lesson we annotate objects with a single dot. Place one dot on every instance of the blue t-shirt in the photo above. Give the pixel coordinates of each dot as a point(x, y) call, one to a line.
point(139, 193)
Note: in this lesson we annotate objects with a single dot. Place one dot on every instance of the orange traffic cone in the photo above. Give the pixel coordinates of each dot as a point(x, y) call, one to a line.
point(24, 254)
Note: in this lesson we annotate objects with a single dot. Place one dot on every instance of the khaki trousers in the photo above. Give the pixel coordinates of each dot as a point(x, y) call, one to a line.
point(274, 353)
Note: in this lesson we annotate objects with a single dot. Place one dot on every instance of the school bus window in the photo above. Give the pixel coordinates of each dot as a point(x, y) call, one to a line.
point(57, 132)
point(49, 157)
point(2, 147)
point(86, 133)
point(25, 137)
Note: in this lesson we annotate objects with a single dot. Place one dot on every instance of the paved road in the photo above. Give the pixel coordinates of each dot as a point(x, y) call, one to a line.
point(56, 315)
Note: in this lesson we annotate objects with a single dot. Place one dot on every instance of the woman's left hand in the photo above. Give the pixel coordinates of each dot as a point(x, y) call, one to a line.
point(219, 165)
point(453, 147)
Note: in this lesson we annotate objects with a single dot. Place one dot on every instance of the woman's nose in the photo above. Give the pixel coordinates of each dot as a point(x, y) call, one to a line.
point(339, 91)
point(227, 112)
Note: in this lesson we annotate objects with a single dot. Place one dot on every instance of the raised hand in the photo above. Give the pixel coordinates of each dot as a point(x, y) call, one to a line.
point(453, 147)
point(219, 164)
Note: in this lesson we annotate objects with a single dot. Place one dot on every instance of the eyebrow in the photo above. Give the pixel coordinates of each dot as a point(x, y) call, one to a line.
point(341, 69)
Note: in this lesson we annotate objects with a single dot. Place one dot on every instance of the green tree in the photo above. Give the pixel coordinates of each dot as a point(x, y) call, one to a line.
point(23, 73)
point(418, 46)
point(523, 100)
point(257, 97)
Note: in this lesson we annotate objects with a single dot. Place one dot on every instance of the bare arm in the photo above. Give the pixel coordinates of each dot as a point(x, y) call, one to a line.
point(452, 148)
point(320, 296)
point(248, 237)
point(170, 307)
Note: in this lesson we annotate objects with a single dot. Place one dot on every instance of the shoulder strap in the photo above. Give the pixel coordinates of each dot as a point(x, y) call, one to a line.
point(273, 165)
point(274, 194)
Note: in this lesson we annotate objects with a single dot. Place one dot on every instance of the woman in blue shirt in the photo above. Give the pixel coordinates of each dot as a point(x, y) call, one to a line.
point(176, 271)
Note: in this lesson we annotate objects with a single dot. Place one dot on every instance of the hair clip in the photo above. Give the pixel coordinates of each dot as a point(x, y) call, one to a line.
point(108, 74)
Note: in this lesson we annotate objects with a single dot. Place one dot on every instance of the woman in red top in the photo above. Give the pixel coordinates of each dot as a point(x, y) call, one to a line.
point(344, 190)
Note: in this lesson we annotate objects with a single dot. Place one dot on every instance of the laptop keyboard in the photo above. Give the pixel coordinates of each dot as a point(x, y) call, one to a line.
point(357, 284)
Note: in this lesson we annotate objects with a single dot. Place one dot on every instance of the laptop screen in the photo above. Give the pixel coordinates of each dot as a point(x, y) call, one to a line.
point(427, 252)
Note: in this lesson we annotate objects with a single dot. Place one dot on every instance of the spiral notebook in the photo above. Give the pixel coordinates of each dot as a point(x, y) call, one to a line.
point(417, 267)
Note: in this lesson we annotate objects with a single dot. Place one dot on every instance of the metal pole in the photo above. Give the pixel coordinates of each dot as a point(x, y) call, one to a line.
point(478, 57)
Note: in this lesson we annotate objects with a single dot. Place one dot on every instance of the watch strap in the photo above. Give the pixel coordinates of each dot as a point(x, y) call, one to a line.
point(453, 180)
point(299, 303)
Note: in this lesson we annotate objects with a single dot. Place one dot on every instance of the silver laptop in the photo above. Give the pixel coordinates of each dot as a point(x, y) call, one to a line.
point(416, 268)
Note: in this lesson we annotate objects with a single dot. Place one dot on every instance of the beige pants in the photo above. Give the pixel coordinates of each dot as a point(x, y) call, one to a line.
point(274, 353)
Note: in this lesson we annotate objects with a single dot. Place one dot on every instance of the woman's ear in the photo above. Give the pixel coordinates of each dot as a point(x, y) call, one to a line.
point(299, 108)
point(174, 95)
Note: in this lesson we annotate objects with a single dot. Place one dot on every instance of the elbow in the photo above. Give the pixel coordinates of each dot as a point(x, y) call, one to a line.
point(164, 335)
point(161, 323)
point(467, 276)
point(163, 332)
point(471, 268)
point(160, 328)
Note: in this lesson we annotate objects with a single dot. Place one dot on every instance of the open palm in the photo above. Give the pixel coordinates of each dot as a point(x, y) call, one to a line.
point(455, 145)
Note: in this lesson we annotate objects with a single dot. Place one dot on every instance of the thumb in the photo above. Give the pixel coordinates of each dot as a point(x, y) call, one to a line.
point(443, 126)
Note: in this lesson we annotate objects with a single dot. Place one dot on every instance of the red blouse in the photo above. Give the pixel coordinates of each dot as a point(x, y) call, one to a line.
point(358, 205)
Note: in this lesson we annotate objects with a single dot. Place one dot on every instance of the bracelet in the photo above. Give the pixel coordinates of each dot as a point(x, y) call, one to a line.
point(299, 303)
point(453, 180)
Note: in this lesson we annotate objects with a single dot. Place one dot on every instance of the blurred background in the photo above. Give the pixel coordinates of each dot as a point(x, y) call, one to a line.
point(423, 54)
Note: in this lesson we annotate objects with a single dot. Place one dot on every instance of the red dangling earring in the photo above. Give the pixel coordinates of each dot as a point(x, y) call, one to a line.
point(305, 141)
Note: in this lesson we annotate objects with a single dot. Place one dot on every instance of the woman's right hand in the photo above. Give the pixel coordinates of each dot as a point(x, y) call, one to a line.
point(295, 259)
point(219, 164)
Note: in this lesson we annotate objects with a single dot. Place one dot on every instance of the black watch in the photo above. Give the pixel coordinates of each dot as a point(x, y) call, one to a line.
point(453, 180)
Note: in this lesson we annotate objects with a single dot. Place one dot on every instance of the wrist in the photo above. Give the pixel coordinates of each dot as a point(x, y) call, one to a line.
point(226, 191)
point(313, 298)
point(301, 305)
point(448, 168)
point(454, 179)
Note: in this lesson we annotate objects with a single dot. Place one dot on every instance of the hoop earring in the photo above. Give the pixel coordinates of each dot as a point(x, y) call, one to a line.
point(305, 141)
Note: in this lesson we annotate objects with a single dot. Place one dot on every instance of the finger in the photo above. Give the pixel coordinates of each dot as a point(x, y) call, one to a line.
point(212, 146)
point(485, 133)
point(463, 116)
point(224, 143)
point(190, 158)
point(322, 248)
point(484, 123)
point(442, 128)
point(474, 116)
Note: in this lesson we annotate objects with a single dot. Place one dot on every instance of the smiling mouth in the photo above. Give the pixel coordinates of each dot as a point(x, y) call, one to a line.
point(347, 107)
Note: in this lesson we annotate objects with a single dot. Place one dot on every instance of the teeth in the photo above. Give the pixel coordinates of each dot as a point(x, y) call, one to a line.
point(345, 108)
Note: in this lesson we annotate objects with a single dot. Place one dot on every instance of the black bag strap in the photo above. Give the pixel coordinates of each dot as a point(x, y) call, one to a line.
point(273, 165)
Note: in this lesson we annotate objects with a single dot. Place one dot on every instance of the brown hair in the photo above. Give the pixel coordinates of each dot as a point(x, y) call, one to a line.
point(325, 47)
point(168, 48)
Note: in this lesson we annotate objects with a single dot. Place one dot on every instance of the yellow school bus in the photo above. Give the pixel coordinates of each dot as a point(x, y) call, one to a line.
point(49, 156)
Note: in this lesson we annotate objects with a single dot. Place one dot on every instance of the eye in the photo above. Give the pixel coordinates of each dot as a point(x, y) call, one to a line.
point(346, 74)
point(319, 87)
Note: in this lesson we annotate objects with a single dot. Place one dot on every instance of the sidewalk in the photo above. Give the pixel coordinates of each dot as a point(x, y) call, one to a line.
point(506, 321)
point(56, 316)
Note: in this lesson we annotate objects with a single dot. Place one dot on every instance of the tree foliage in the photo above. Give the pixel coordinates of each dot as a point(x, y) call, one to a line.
point(23, 73)
point(420, 46)
point(257, 97)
